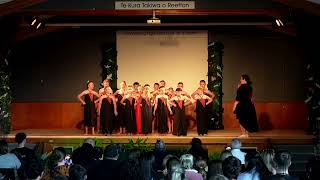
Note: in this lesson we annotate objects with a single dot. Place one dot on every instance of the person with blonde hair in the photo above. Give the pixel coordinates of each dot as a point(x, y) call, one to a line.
point(187, 161)
point(268, 159)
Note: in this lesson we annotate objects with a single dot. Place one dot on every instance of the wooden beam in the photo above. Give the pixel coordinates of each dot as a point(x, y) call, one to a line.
point(303, 5)
point(17, 5)
point(28, 32)
point(193, 12)
point(287, 30)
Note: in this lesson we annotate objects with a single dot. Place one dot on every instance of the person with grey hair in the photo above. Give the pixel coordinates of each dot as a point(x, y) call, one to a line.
point(235, 150)
point(85, 154)
point(187, 161)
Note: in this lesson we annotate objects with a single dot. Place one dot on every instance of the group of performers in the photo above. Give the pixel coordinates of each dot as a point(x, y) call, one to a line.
point(140, 109)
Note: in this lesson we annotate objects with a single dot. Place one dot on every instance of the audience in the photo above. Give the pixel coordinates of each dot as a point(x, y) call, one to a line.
point(77, 172)
point(235, 150)
point(8, 160)
point(255, 169)
point(187, 163)
point(197, 151)
point(85, 154)
point(90, 162)
point(282, 161)
point(231, 168)
point(268, 159)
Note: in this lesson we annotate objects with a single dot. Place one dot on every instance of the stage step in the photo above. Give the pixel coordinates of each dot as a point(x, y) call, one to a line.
point(300, 156)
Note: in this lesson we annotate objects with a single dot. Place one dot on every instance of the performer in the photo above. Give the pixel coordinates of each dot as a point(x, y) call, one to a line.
point(161, 111)
point(163, 84)
point(138, 109)
point(107, 110)
point(244, 108)
point(180, 125)
point(128, 101)
point(135, 87)
point(154, 93)
point(202, 117)
point(181, 86)
point(121, 120)
point(146, 110)
point(89, 106)
point(105, 83)
point(171, 93)
point(203, 85)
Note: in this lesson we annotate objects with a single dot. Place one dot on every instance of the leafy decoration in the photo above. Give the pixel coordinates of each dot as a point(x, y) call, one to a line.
point(215, 77)
point(109, 64)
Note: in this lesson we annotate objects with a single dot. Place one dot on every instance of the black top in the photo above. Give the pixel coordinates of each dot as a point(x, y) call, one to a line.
point(244, 93)
point(280, 176)
point(84, 155)
point(24, 154)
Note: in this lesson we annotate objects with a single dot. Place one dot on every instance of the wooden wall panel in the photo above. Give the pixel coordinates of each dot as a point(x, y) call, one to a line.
point(55, 115)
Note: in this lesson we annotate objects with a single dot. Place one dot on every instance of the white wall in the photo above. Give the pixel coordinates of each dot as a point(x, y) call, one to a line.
point(173, 56)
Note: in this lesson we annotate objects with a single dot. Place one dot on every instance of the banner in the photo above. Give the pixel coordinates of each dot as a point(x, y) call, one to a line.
point(140, 5)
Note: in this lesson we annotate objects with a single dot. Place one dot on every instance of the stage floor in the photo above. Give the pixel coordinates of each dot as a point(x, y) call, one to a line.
point(217, 136)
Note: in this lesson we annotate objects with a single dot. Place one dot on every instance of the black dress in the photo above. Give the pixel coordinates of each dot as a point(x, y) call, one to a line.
point(121, 120)
point(180, 121)
point(245, 110)
point(90, 113)
point(162, 116)
point(146, 116)
point(107, 115)
point(202, 116)
point(130, 115)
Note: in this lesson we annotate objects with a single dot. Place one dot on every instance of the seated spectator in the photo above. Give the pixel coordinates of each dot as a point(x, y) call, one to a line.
point(215, 168)
point(24, 154)
point(55, 165)
point(231, 168)
point(146, 163)
point(77, 172)
point(202, 168)
point(197, 151)
point(235, 150)
point(174, 170)
point(109, 167)
point(282, 161)
point(8, 160)
point(268, 159)
point(159, 153)
point(187, 164)
point(131, 169)
point(85, 154)
point(254, 167)
point(34, 170)
point(225, 154)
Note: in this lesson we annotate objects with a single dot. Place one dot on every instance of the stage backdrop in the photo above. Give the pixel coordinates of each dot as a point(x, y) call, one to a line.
point(173, 56)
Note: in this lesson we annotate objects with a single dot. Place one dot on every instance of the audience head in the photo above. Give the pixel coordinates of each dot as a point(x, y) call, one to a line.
point(231, 167)
point(90, 141)
point(215, 168)
point(225, 154)
point(187, 161)
point(21, 138)
point(147, 163)
point(77, 172)
point(62, 150)
point(282, 161)
point(160, 146)
point(111, 152)
point(196, 143)
point(98, 153)
point(268, 159)
point(53, 159)
point(174, 169)
point(165, 160)
point(253, 160)
point(235, 143)
point(3, 147)
point(202, 168)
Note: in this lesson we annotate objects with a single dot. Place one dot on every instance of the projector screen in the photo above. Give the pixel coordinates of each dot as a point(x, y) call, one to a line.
point(150, 56)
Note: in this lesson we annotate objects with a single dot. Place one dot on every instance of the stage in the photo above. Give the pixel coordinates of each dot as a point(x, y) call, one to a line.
point(215, 140)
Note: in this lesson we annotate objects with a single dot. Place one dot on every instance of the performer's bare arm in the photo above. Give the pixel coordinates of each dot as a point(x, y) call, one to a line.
point(81, 95)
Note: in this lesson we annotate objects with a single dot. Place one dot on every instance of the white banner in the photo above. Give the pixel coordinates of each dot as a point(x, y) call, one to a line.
point(138, 5)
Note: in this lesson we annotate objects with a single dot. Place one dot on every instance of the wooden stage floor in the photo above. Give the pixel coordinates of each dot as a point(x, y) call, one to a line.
point(214, 136)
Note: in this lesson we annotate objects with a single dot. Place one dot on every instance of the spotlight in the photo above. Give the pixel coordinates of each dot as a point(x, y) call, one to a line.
point(279, 22)
point(154, 19)
point(39, 25)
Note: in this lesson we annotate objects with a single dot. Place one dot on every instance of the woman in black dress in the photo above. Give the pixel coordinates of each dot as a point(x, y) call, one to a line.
point(107, 110)
point(202, 117)
point(121, 120)
point(244, 108)
point(179, 102)
point(129, 101)
point(89, 106)
point(162, 110)
point(146, 110)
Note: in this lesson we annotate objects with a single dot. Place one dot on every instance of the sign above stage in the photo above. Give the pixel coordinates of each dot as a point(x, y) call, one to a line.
point(141, 5)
